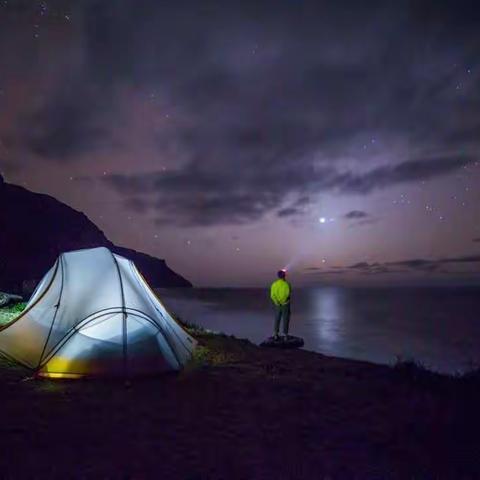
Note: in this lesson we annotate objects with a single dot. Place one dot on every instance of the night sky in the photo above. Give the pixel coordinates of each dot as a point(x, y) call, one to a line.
point(338, 138)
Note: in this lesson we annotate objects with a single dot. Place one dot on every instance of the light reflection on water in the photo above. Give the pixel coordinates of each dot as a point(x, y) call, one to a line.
point(328, 315)
point(439, 327)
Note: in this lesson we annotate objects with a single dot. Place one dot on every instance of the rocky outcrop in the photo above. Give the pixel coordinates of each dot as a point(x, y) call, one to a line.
point(35, 228)
point(7, 299)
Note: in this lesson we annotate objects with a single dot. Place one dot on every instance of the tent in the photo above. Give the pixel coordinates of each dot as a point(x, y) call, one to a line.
point(93, 314)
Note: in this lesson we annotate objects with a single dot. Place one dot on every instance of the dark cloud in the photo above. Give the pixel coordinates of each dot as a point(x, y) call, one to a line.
point(288, 212)
point(359, 266)
point(193, 195)
point(69, 124)
point(463, 259)
point(363, 268)
point(403, 266)
point(255, 108)
point(250, 89)
point(476, 240)
point(416, 264)
point(249, 84)
point(406, 172)
point(359, 218)
point(355, 214)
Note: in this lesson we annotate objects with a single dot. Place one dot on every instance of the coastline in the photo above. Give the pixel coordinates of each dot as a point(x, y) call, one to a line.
point(241, 411)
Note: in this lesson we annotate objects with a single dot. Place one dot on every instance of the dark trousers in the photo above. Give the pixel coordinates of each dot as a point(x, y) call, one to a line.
point(282, 312)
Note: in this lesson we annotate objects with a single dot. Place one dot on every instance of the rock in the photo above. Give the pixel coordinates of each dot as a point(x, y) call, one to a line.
point(281, 342)
point(7, 299)
point(36, 229)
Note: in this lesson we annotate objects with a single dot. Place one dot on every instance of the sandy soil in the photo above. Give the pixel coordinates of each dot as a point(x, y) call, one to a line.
point(242, 412)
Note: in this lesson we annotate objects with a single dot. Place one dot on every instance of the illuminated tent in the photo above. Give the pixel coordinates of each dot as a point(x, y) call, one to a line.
point(94, 314)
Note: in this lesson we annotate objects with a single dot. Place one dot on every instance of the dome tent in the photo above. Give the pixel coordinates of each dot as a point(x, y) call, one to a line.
point(93, 314)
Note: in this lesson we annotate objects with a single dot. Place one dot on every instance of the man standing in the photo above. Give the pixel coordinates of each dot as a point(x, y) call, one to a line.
point(280, 294)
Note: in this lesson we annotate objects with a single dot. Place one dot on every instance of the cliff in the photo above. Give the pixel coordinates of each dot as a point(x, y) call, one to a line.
point(35, 228)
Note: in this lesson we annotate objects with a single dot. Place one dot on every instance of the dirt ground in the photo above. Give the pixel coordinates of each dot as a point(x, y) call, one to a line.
point(243, 412)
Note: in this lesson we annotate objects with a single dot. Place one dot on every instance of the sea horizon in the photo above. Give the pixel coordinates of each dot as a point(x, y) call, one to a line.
point(434, 326)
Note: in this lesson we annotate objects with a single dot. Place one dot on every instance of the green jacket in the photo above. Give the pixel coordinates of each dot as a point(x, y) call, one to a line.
point(280, 292)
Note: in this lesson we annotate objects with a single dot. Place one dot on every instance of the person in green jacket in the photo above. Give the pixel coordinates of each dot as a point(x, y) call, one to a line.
point(280, 291)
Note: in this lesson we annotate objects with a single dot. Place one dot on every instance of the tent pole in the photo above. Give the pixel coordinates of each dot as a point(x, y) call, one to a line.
point(57, 307)
point(124, 320)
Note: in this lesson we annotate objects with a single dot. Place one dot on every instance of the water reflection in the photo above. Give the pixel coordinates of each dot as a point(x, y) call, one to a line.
point(434, 326)
point(328, 318)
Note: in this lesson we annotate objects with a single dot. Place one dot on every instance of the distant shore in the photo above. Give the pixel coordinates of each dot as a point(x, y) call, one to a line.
point(239, 411)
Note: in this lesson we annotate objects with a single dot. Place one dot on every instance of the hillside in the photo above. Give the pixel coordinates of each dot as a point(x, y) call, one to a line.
point(35, 228)
point(239, 411)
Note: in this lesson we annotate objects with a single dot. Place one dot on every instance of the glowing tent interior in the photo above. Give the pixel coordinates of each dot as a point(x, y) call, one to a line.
point(93, 314)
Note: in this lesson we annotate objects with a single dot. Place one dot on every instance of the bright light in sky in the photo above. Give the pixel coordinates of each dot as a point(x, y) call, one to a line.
point(322, 219)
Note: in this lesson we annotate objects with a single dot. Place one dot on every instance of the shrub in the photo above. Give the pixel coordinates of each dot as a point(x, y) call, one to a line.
point(412, 370)
point(18, 307)
point(7, 314)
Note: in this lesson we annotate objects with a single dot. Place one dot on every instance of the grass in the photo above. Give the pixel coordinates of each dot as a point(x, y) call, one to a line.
point(237, 410)
point(194, 329)
point(414, 373)
point(7, 314)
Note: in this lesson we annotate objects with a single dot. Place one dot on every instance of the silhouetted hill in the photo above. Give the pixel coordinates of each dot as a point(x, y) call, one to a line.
point(35, 228)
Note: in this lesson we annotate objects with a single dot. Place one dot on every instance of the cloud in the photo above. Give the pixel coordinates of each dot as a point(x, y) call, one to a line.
point(359, 218)
point(69, 124)
point(355, 214)
point(416, 264)
point(371, 268)
point(195, 195)
point(362, 268)
point(403, 266)
point(406, 172)
point(259, 121)
point(462, 259)
point(476, 240)
point(288, 212)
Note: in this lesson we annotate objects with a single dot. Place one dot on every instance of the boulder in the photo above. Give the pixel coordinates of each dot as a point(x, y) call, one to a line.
point(9, 299)
point(282, 342)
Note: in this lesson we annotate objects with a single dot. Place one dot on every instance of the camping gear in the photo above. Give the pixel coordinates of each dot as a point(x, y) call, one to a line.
point(281, 342)
point(93, 314)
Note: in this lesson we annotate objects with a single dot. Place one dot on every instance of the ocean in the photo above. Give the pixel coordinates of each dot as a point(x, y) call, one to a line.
point(438, 327)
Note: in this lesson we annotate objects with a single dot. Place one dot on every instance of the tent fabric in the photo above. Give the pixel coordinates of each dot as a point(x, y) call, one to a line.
point(94, 314)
